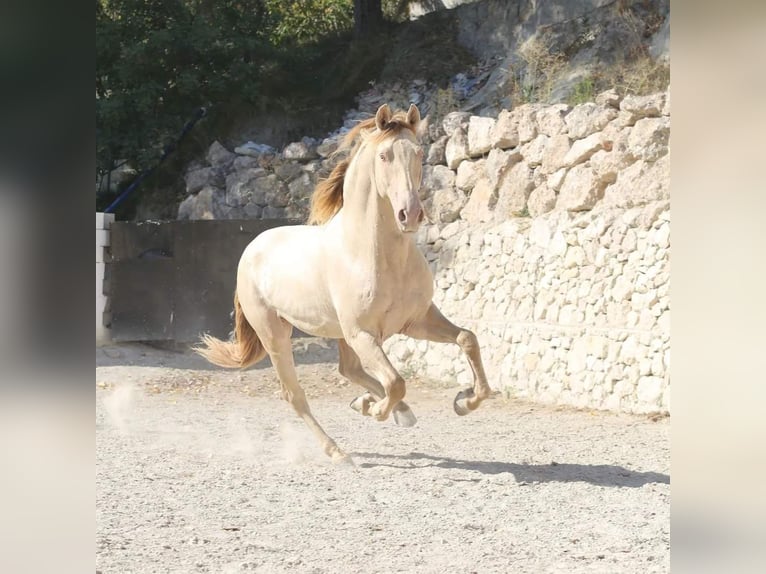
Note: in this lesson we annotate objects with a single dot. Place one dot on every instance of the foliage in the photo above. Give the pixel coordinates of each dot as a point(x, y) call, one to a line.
point(304, 21)
point(584, 91)
point(535, 76)
point(158, 61)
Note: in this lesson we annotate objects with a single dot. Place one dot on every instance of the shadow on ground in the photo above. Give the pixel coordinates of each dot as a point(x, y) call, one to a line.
point(598, 474)
point(306, 350)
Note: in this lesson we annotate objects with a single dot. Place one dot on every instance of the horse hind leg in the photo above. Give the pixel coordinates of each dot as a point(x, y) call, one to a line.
point(279, 347)
point(350, 367)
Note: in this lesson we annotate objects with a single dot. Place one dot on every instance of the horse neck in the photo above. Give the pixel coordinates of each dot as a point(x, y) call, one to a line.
point(370, 229)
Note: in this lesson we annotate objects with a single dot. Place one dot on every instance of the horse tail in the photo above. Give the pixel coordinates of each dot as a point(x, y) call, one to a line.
point(327, 198)
point(246, 349)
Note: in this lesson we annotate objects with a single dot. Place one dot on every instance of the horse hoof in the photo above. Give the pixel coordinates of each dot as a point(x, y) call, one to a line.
point(341, 458)
point(405, 417)
point(362, 404)
point(461, 402)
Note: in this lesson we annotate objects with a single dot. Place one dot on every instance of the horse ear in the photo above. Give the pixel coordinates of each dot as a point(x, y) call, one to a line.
point(382, 117)
point(413, 116)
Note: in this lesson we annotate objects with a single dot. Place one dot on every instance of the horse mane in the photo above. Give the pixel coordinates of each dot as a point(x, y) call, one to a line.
point(327, 198)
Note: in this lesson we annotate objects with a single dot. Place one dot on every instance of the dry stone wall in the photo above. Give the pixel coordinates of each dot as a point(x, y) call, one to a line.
point(551, 241)
point(549, 236)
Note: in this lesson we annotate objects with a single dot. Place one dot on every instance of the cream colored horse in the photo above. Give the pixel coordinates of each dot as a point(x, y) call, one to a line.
point(356, 276)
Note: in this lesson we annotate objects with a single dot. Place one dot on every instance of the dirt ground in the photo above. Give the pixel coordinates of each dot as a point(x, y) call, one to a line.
point(205, 470)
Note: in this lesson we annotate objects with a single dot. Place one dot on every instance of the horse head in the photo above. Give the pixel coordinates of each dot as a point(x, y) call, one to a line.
point(398, 165)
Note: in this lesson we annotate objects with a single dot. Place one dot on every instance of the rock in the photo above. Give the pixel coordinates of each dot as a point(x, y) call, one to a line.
point(186, 207)
point(481, 203)
point(638, 107)
point(648, 140)
point(527, 124)
point(218, 156)
point(649, 390)
point(303, 150)
point(556, 179)
point(550, 119)
point(555, 153)
point(534, 151)
point(239, 185)
point(204, 177)
point(265, 189)
point(587, 119)
point(468, 172)
point(253, 149)
point(513, 191)
point(498, 162)
point(242, 162)
point(582, 150)
point(300, 188)
point(479, 135)
point(287, 171)
point(438, 177)
point(609, 98)
point(328, 146)
point(455, 121)
point(541, 200)
point(457, 148)
point(436, 151)
point(505, 132)
point(208, 204)
point(640, 183)
point(270, 212)
point(444, 204)
point(581, 189)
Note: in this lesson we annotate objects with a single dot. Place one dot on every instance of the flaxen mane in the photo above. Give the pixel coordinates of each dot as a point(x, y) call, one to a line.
point(327, 198)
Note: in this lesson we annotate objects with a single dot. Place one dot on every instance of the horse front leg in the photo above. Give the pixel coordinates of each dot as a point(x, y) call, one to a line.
point(436, 327)
point(376, 363)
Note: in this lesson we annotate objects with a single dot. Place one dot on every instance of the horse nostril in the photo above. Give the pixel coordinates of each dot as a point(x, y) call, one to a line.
point(402, 215)
point(421, 216)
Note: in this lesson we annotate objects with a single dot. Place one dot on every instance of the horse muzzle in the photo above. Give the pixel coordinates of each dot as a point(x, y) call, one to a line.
point(409, 220)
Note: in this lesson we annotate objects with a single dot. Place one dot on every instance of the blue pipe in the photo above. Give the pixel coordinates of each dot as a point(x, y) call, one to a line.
point(168, 150)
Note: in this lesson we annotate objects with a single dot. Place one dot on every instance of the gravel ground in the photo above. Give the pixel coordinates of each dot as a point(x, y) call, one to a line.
point(204, 470)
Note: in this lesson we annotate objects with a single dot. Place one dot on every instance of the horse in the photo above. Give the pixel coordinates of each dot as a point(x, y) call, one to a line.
point(353, 273)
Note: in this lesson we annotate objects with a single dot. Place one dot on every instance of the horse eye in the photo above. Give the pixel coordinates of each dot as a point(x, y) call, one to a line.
point(382, 156)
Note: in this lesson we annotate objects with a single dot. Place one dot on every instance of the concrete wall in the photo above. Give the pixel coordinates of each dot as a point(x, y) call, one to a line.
point(103, 224)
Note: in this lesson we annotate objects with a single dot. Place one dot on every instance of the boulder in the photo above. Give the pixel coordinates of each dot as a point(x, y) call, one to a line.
point(204, 177)
point(513, 191)
point(444, 204)
point(588, 118)
point(498, 162)
point(550, 119)
point(638, 107)
point(219, 156)
point(304, 150)
point(468, 173)
point(457, 148)
point(541, 200)
point(581, 189)
point(481, 203)
point(253, 149)
point(479, 135)
point(436, 151)
point(437, 177)
point(555, 153)
point(648, 140)
point(505, 132)
point(582, 150)
point(640, 183)
point(454, 121)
